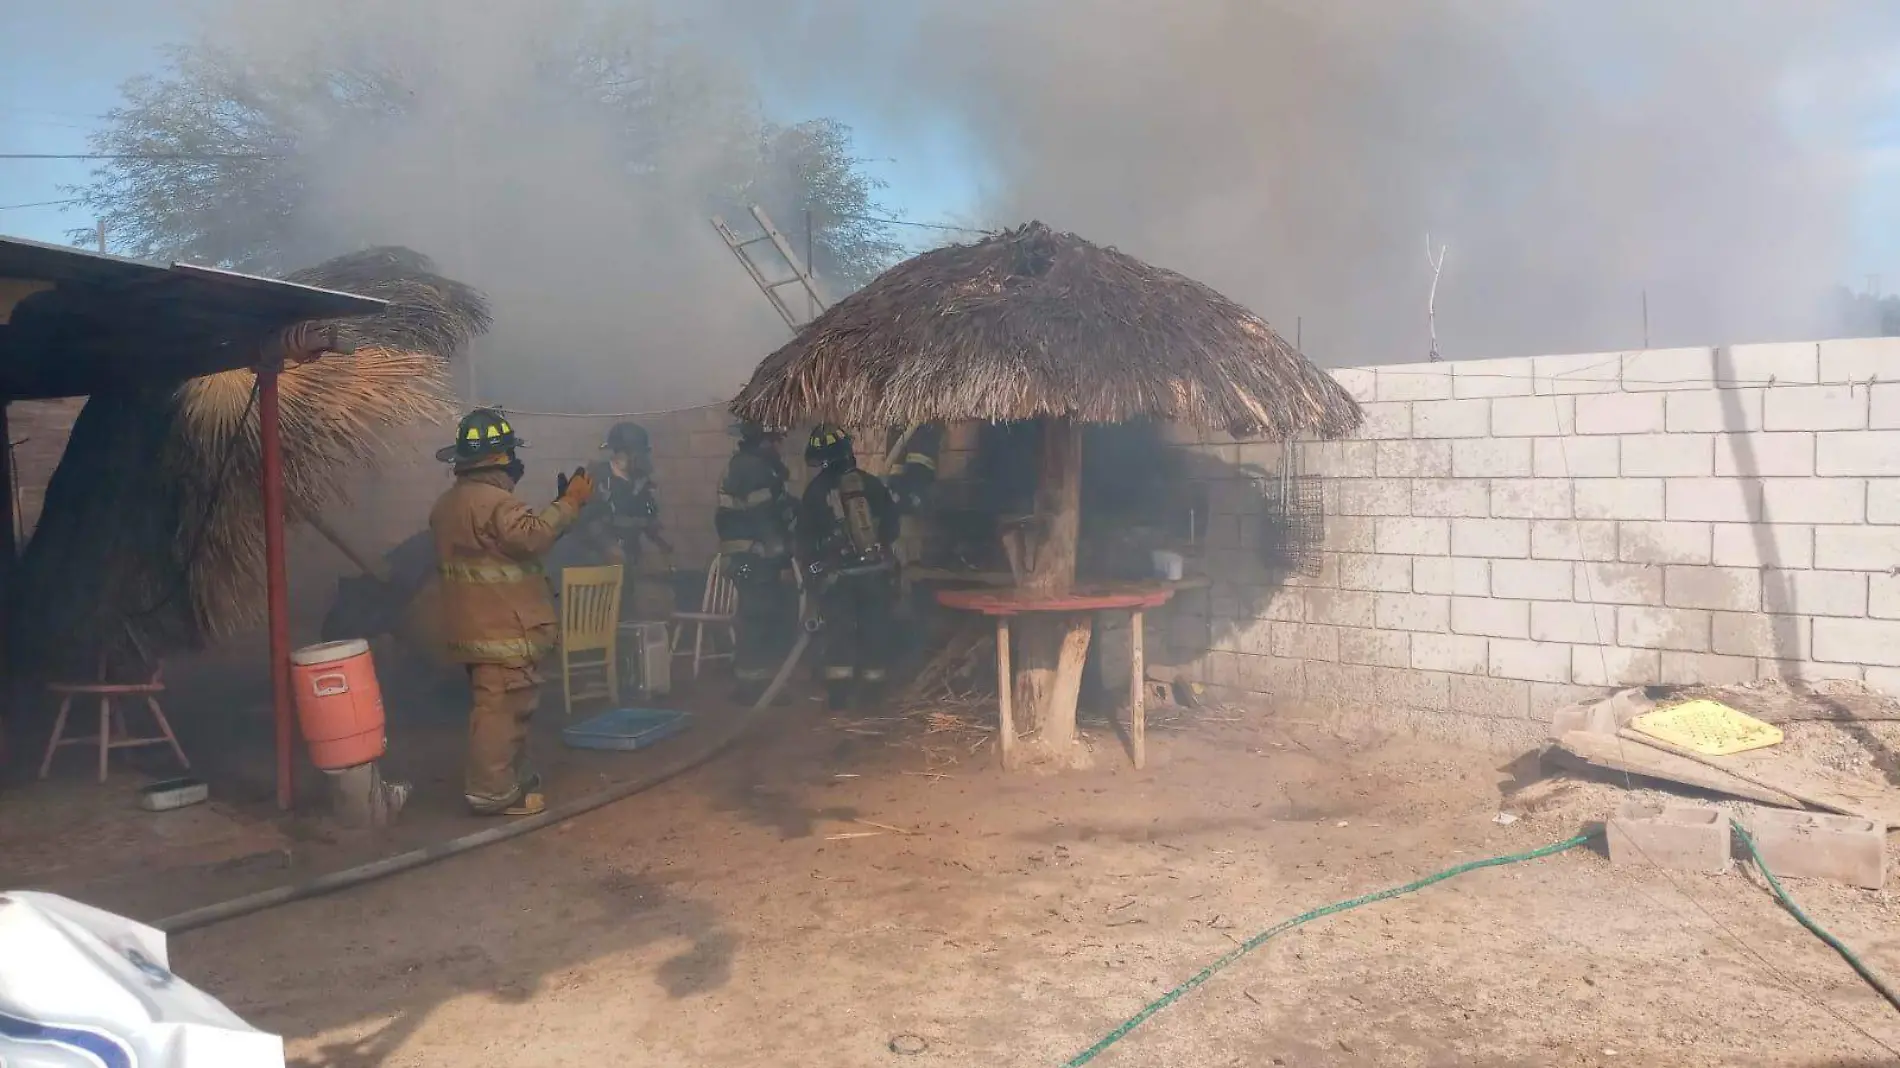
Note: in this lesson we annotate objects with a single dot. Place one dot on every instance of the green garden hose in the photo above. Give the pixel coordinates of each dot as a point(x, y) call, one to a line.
point(1284, 926)
point(1860, 967)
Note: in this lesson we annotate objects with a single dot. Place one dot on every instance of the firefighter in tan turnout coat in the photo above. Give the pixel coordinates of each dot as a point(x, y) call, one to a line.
point(497, 607)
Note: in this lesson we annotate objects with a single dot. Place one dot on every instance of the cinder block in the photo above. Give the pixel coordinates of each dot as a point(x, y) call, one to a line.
point(1671, 455)
point(1274, 675)
point(1733, 589)
point(1350, 533)
point(1305, 641)
point(1783, 362)
point(1682, 629)
point(1264, 454)
point(1491, 458)
point(1413, 612)
point(1532, 580)
point(1380, 648)
point(1573, 623)
point(1778, 545)
point(1815, 408)
point(1883, 596)
point(1673, 369)
point(1820, 845)
point(1609, 665)
point(1341, 459)
point(1455, 575)
point(1344, 608)
point(1710, 411)
point(1680, 837)
point(1530, 498)
point(1776, 637)
point(1858, 359)
point(1594, 372)
point(1510, 377)
point(1884, 680)
point(1413, 381)
point(1383, 421)
point(1446, 497)
point(1869, 642)
point(1883, 500)
point(1383, 574)
point(1874, 453)
point(1490, 617)
point(1374, 496)
point(1808, 671)
point(1619, 498)
point(1786, 455)
point(1530, 661)
point(1517, 417)
point(1721, 500)
point(1884, 401)
point(1414, 459)
point(1361, 382)
point(1490, 537)
point(1705, 669)
point(1576, 457)
point(1620, 413)
point(1815, 593)
point(1413, 536)
point(1602, 583)
point(1814, 500)
point(1548, 699)
point(1455, 653)
point(1573, 539)
point(1476, 695)
point(1869, 548)
point(1664, 543)
point(1451, 419)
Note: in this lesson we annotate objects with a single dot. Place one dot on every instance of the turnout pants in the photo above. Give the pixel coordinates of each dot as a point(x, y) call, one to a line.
point(857, 610)
point(768, 608)
point(505, 697)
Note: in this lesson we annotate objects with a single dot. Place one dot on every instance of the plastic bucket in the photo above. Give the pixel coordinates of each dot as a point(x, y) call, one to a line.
point(339, 703)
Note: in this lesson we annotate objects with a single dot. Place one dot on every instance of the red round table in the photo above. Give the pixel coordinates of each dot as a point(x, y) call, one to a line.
point(1132, 597)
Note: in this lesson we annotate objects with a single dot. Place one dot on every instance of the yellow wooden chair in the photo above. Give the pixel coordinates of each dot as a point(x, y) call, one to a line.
point(590, 618)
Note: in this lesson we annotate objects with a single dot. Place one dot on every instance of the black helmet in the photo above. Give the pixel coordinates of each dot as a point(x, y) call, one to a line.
point(482, 433)
point(751, 430)
point(828, 445)
point(627, 437)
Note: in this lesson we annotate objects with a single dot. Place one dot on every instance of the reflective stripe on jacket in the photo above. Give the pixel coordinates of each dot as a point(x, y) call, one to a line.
point(497, 607)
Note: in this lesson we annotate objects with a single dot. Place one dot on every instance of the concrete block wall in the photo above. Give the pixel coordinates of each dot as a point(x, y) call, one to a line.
point(1509, 535)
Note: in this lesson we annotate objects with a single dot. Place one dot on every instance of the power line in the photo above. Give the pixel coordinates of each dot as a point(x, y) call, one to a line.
point(918, 225)
point(40, 204)
point(137, 155)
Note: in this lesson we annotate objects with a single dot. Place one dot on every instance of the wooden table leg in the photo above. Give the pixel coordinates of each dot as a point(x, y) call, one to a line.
point(1005, 683)
point(1137, 692)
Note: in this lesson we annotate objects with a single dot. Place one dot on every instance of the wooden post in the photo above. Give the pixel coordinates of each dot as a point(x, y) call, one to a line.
point(277, 593)
point(1137, 692)
point(1055, 645)
point(1005, 722)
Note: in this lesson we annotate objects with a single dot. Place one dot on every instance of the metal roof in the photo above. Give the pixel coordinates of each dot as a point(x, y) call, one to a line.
point(73, 322)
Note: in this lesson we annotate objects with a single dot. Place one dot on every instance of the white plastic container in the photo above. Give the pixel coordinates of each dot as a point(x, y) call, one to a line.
point(1169, 564)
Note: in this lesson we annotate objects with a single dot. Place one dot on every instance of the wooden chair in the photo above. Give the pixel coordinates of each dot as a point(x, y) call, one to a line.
point(718, 607)
point(113, 733)
point(590, 618)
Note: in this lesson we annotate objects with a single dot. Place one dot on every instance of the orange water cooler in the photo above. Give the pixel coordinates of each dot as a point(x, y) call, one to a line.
point(339, 703)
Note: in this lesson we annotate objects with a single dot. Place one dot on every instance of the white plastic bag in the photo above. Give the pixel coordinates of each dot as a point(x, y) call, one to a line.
point(83, 988)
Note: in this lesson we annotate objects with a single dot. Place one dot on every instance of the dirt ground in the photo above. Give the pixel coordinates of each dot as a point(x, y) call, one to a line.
point(721, 919)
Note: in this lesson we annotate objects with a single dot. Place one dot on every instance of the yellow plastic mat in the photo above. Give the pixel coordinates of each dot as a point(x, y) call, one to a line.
point(1707, 727)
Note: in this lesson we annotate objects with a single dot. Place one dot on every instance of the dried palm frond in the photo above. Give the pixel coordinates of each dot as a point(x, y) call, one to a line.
point(174, 545)
point(1032, 323)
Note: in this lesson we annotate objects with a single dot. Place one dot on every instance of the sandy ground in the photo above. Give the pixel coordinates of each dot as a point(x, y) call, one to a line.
point(718, 920)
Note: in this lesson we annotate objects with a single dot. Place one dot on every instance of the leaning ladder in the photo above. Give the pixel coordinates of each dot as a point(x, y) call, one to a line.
point(771, 287)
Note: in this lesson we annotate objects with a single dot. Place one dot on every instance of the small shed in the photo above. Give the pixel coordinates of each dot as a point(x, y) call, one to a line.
point(73, 323)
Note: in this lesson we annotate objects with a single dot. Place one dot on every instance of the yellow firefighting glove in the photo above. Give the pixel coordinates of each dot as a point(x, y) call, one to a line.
point(577, 489)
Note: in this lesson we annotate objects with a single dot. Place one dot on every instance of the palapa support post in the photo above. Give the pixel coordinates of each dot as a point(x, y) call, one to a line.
point(1054, 646)
point(276, 574)
point(1137, 692)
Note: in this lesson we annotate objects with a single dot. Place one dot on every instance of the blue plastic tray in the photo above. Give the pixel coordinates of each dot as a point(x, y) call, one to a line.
point(625, 728)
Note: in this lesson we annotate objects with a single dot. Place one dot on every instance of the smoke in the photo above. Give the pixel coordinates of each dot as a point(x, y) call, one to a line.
point(1295, 154)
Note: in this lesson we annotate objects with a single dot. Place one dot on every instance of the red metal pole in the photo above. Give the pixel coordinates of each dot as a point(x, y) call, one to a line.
point(276, 576)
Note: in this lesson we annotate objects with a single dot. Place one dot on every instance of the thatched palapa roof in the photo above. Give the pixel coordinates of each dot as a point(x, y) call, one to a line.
point(1035, 322)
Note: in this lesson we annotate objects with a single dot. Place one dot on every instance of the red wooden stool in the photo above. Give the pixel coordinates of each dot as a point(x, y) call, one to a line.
point(113, 733)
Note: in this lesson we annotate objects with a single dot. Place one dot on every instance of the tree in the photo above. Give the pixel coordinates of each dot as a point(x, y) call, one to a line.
point(1866, 315)
point(214, 159)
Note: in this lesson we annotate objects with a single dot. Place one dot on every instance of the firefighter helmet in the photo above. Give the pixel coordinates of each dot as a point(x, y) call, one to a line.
point(750, 430)
point(482, 433)
point(828, 445)
point(627, 437)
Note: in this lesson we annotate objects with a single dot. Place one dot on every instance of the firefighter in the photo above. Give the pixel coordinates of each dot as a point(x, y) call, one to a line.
point(847, 533)
point(497, 607)
point(625, 516)
point(754, 522)
point(917, 471)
